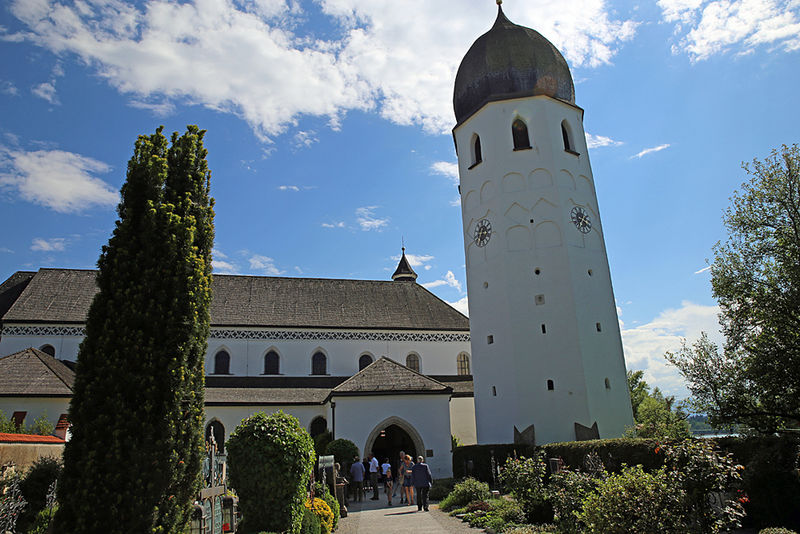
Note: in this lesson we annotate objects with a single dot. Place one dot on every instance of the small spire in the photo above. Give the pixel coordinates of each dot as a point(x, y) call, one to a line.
point(404, 272)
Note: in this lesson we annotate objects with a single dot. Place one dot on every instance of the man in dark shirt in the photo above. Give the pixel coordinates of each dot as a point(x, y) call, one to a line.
point(422, 480)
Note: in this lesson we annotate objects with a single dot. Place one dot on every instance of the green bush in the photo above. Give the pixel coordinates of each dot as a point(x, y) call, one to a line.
point(34, 487)
point(310, 523)
point(321, 442)
point(533, 529)
point(567, 491)
point(343, 451)
point(465, 492)
point(42, 522)
point(635, 501)
point(525, 479)
point(779, 530)
point(476, 460)
point(270, 461)
point(613, 453)
point(441, 488)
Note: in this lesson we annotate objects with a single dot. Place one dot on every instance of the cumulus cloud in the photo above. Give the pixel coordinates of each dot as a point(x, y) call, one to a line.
point(651, 150)
point(264, 264)
point(288, 188)
point(46, 91)
point(461, 305)
point(55, 244)
point(304, 139)
point(446, 168)
point(597, 141)
point(449, 280)
point(262, 62)
point(62, 181)
point(708, 27)
point(339, 224)
point(416, 260)
point(646, 344)
point(368, 221)
point(8, 88)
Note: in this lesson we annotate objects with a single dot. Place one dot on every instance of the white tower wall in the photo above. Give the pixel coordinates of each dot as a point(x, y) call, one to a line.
point(527, 196)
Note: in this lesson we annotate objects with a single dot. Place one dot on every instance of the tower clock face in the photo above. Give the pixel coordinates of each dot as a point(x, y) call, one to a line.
point(581, 220)
point(483, 232)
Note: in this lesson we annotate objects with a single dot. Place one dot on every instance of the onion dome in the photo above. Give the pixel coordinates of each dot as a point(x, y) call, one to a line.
point(404, 272)
point(510, 61)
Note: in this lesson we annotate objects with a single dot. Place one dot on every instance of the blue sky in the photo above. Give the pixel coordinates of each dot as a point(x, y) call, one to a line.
point(328, 132)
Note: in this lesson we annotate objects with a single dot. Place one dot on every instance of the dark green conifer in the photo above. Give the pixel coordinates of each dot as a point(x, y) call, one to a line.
point(133, 463)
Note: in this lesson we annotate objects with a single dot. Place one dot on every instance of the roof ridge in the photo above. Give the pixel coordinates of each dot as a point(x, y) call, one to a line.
point(54, 365)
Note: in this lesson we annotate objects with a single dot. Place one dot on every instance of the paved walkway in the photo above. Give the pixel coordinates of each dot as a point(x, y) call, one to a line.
point(376, 517)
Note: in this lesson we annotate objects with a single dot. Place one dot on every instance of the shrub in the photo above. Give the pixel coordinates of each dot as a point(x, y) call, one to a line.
point(635, 501)
point(324, 493)
point(42, 522)
point(465, 492)
point(706, 477)
point(524, 479)
point(343, 451)
point(779, 530)
point(613, 453)
point(476, 460)
point(310, 523)
point(532, 529)
point(34, 488)
point(270, 462)
point(323, 512)
point(441, 488)
point(321, 442)
point(567, 491)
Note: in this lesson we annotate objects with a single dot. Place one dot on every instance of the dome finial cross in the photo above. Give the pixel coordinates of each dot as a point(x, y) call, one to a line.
point(499, 2)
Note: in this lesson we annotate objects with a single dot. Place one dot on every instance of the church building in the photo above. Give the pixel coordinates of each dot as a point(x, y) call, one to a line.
point(387, 364)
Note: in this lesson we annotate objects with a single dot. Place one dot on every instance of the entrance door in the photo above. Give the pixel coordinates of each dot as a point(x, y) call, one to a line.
point(390, 442)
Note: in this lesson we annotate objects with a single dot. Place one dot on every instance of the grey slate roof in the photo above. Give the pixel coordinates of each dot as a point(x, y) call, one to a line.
point(31, 372)
point(64, 295)
point(386, 376)
point(11, 289)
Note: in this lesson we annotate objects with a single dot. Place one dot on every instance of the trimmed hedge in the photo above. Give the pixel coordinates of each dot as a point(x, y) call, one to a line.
point(480, 457)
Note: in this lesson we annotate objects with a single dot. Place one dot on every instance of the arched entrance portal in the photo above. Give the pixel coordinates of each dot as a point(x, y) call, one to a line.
point(392, 436)
point(219, 435)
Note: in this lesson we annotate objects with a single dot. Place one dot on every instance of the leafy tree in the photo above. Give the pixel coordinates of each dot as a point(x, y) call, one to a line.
point(133, 463)
point(343, 451)
point(41, 426)
point(755, 379)
point(655, 415)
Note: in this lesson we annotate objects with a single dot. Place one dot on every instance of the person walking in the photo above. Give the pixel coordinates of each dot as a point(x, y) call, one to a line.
point(408, 485)
point(422, 480)
point(357, 476)
point(386, 469)
point(398, 481)
point(373, 476)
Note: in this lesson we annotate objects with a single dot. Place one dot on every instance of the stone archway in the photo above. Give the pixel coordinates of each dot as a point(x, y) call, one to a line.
point(395, 428)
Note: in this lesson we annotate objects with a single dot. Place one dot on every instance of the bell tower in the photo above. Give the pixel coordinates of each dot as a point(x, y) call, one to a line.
point(547, 355)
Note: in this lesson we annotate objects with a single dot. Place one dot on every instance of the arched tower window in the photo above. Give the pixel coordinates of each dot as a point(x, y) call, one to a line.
point(519, 131)
point(219, 435)
point(477, 155)
point(550, 385)
point(319, 364)
point(566, 133)
point(318, 426)
point(48, 349)
point(364, 361)
point(222, 363)
point(608, 383)
point(412, 362)
point(272, 363)
point(463, 363)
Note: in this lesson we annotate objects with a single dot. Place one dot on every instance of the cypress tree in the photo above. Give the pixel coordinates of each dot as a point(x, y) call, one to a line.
point(133, 463)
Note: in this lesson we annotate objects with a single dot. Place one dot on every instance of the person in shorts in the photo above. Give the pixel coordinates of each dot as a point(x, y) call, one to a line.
point(386, 469)
point(408, 485)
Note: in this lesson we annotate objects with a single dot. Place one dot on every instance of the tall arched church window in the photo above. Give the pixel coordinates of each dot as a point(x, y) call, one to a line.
point(222, 363)
point(272, 363)
point(48, 349)
point(566, 133)
point(364, 361)
point(319, 364)
point(519, 131)
point(412, 362)
point(477, 155)
point(463, 363)
point(318, 426)
point(219, 435)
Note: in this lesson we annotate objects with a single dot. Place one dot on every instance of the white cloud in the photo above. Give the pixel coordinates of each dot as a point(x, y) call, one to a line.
point(160, 109)
point(339, 224)
point(224, 267)
point(265, 264)
point(646, 344)
point(446, 168)
point(449, 280)
point(705, 28)
point(261, 62)
point(6, 250)
point(461, 305)
point(288, 188)
point(46, 91)
point(368, 221)
point(416, 260)
point(56, 244)
point(597, 141)
point(651, 150)
point(62, 181)
point(704, 269)
point(304, 139)
point(8, 88)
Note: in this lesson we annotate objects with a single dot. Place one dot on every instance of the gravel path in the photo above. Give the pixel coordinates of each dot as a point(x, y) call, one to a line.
point(376, 517)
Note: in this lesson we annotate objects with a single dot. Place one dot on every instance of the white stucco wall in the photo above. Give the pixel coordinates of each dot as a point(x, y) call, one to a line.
point(52, 407)
point(538, 269)
point(462, 420)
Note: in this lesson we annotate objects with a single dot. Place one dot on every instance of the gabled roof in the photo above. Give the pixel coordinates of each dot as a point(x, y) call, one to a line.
point(58, 296)
point(31, 372)
point(386, 376)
